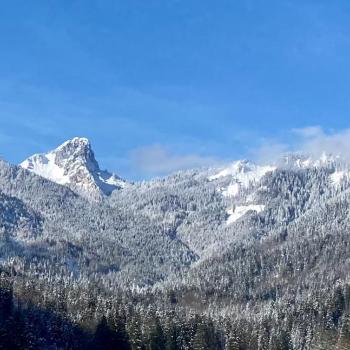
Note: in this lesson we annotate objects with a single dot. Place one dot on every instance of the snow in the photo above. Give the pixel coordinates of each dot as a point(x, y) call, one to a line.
point(325, 158)
point(304, 163)
point(73, 164)
point(339, 176)
point(45, 166)
point(239, 211)
point(82, 141)
point(244, 174)
point(232, 190)
point(108, 182)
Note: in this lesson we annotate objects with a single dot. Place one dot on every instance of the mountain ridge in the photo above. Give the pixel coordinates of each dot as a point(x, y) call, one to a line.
point(255, 258)
point(73, 164)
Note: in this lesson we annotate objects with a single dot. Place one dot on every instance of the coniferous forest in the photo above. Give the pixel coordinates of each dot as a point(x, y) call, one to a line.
point(175, 175)
point(166, 264)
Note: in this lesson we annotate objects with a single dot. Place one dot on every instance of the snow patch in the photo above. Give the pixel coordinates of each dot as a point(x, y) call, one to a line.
point(338, 177)
point(239, 211)
point(45, 166)
point(244, 174)
point(304, 161)
point(232, 190)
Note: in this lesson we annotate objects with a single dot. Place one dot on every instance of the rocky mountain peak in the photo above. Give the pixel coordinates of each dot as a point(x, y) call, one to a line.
point(73, 164)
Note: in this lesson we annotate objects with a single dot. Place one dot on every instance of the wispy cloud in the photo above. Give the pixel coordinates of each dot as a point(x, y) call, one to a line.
point(159, 160)
point(309, 131)
point(313, 140)
point(269, 151)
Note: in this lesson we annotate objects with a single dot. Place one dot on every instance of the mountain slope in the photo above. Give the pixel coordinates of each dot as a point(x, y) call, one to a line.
point(266, 261)
point(96, 238)
point(73, 164)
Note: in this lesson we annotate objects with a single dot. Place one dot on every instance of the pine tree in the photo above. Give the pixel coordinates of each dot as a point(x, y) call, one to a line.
point(344, 334)
point(172, 337)
point(104, 338)
point(121, 336)
point(135, 334)
point(156, 338)
point(205, 338)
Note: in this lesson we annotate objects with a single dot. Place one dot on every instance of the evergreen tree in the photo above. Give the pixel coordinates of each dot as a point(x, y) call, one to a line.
point(135, 334)
point(121, 336)
point(344, 334)
point(156, 337)
point(104, 338)
point(205, 338)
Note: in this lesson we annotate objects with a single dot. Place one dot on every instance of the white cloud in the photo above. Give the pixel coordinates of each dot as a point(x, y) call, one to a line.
point(157, 159)
point(318, 141)
point(312, 140)
point(309, 131)
point(269, 151)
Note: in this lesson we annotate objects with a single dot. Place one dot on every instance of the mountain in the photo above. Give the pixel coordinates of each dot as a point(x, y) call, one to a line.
point(247, 256)
point(73, 164)
point(243, 174)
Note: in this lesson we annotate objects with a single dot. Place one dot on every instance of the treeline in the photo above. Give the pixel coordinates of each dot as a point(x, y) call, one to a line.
point(27, 326)
point(150, 323)
point(157, 267)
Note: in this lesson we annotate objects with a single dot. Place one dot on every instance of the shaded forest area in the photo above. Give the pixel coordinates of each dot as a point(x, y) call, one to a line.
point(134, 325)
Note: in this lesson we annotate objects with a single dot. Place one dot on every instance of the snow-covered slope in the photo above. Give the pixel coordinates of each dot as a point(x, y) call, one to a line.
point(241, 181)
point(239, 211)
point(304, 161)
point(243, 174)
point(73, 164)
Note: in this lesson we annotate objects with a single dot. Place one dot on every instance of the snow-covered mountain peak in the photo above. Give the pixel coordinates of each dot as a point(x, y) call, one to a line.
point(237, 167)
point(243, 174)
point(77, 145)
point(73, 164)
point(295, 160)
point(303, 161)
point(76, 152)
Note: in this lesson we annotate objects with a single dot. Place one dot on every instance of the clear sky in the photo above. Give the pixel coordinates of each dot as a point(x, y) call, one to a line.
point(159, 85)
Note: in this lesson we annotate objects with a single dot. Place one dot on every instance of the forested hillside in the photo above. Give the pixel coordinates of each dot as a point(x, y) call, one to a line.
point(247, 257)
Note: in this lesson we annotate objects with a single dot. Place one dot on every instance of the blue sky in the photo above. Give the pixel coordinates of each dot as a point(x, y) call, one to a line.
point(159, 85)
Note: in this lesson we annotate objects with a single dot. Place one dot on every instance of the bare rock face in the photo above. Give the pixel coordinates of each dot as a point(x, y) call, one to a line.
point(73, 164)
